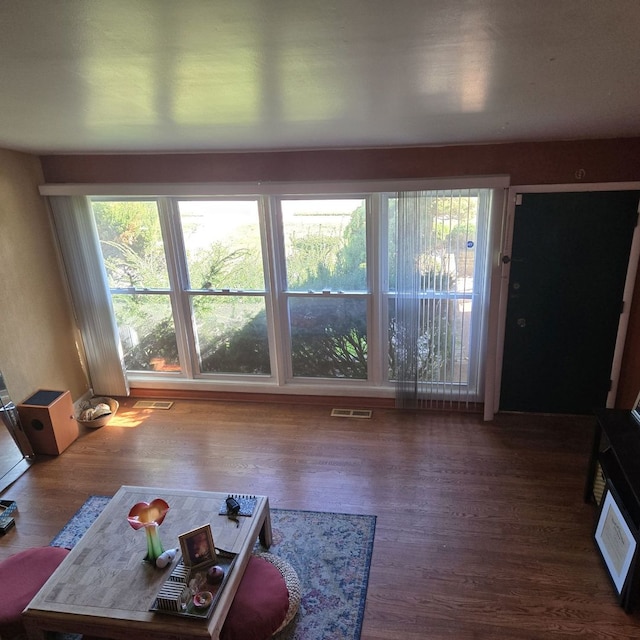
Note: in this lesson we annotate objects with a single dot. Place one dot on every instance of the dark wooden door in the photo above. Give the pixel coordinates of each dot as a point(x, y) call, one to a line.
point(568, 268)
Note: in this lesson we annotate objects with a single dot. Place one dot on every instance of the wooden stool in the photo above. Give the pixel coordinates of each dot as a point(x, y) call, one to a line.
point(21, 577)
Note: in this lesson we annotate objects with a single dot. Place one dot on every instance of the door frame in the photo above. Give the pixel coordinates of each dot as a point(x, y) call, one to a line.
point(497, 326)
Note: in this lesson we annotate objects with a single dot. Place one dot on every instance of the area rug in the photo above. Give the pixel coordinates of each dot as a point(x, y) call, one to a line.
point(331, 552)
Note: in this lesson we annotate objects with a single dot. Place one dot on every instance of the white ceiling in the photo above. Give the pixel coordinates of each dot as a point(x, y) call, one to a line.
point(80, 76)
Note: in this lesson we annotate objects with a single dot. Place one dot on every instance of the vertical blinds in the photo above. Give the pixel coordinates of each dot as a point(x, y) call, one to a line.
point(440, 265)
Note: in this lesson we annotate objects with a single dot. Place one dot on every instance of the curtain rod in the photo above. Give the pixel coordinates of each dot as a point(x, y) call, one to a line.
point(272, 188)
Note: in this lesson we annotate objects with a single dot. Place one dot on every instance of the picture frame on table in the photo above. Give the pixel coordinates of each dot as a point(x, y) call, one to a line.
point(197, 547)
point(617, 541)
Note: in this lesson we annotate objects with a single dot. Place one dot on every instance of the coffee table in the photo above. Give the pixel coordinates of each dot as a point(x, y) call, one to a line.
point(104, 588)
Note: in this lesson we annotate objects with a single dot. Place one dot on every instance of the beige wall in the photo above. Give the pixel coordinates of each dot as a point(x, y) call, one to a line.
point(38, 339)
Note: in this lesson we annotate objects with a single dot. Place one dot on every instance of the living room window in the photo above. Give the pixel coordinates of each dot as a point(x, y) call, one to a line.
point(134, 259)
point(298, 289)
point(223, 286)
point(325, 292)
point(215, 286)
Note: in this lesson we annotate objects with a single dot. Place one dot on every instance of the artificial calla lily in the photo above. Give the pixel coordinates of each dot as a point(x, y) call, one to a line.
point(144, 514)
point(149, 516)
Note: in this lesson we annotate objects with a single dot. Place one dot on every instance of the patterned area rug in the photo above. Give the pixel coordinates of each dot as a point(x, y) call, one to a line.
point(331, 553)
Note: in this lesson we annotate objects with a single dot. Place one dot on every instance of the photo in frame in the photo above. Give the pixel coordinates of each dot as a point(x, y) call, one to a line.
point(616, 540)
point(197, 547)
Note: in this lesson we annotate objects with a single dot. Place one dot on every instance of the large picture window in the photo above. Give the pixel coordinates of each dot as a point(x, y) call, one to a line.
point(320, 292)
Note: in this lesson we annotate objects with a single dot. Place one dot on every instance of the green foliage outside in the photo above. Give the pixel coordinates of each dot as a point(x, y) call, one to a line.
point(131, 242)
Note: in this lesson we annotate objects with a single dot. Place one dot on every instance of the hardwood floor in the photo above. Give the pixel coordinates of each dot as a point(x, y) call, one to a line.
point(482, 532)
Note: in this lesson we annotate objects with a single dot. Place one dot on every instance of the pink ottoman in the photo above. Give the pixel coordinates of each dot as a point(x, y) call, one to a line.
point(266, 601)
point(21, 577)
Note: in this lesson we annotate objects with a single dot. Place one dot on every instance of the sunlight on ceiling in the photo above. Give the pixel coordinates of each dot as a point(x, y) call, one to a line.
point(93, 76)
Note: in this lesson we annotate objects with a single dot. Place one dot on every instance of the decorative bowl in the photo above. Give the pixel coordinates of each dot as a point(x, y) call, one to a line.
point(202, 599)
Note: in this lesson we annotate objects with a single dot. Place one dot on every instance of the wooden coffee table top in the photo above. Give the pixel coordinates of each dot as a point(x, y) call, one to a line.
point(104, 587)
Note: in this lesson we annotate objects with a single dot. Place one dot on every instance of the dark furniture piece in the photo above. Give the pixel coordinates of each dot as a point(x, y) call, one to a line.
point(616, 449)
point(616, 446)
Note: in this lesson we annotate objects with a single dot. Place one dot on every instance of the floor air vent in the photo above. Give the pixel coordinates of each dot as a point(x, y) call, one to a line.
point(153, 404)
point(351, 413)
